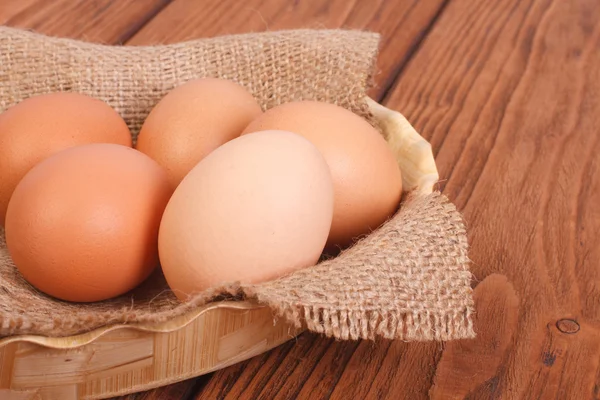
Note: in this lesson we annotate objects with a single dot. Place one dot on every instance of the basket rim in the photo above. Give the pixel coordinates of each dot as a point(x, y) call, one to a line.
point(174, 324)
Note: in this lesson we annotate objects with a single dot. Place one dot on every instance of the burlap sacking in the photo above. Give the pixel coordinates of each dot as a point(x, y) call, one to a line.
point(407, 280)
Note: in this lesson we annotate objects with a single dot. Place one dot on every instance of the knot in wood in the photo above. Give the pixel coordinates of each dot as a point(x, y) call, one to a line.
point(568, 326)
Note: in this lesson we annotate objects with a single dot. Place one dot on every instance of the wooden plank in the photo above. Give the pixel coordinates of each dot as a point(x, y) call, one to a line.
point(102, 21)
point(401, 23)
point(479, 359)
point(507, 93)
point(7, 359)
point(288, 374)
point(178, 391)
point(9, 9)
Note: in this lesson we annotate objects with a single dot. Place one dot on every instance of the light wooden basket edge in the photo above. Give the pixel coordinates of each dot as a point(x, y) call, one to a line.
point(179, 322)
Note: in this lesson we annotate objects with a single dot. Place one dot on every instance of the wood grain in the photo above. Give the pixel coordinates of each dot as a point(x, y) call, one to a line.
point(495, 323)
point(506, 91)
point(100, 21)
point(9, 9)
point(180, 390)
point(402, 23)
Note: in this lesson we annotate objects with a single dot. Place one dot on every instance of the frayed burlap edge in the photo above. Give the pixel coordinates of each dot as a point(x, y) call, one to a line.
point(429, 310)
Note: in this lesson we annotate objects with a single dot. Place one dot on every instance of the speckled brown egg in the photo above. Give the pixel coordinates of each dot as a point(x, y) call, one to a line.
point(82, 225)
point(194, 119)
point(366, 176)
point(43, 125)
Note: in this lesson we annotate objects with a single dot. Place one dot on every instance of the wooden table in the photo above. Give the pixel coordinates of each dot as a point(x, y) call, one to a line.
point(508, 93)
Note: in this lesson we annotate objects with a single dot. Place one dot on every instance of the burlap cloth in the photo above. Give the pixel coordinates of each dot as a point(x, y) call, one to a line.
point(408, 280)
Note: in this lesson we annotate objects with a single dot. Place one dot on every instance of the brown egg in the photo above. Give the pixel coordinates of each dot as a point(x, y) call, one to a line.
point(194, 119)
point(43, 125)
point(366, 177)
point(82, 225)
point(257, 208)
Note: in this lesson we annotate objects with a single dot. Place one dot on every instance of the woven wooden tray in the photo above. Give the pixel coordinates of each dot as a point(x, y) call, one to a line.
point(123, 359)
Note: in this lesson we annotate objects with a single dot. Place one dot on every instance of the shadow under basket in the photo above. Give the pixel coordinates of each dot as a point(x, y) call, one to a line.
point(407, 280)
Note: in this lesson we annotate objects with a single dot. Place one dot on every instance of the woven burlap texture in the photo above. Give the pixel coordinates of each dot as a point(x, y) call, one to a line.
point(277, 67)
point(407, 280)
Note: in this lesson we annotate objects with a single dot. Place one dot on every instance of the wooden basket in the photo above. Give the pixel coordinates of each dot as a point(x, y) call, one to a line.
point(122, 359)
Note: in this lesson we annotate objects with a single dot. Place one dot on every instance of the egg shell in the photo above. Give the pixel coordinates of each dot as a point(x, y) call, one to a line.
point(43, 125)
point(83, 224)
point(366, 176)
point(194, 119)
point(257, 208)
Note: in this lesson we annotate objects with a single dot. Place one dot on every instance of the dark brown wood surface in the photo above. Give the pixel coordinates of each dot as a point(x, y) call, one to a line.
point(508, 93)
